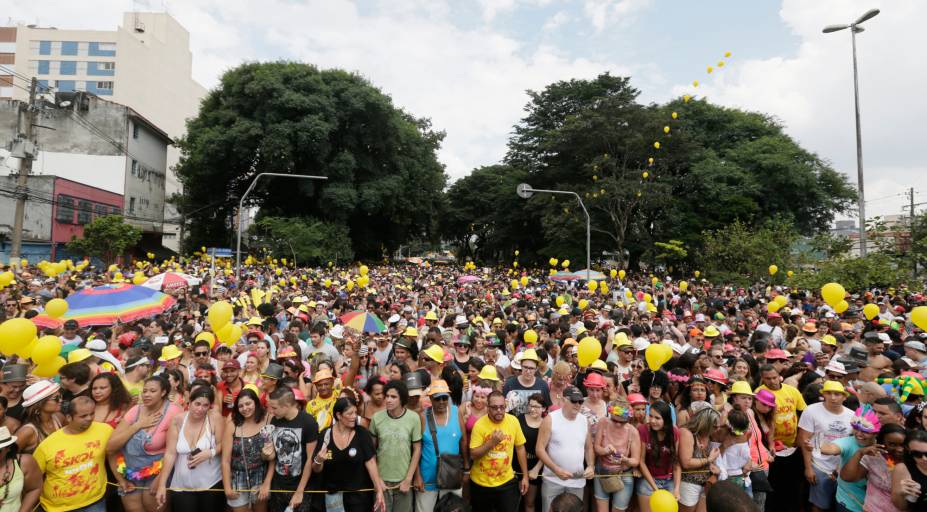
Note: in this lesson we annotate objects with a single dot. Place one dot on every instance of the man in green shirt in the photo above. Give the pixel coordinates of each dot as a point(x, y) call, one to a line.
point(397, 433)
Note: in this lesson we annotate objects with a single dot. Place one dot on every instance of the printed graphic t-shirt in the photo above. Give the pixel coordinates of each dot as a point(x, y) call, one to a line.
point(788, 402)
point(495, 467)
point(290, 439)
point(73, 464)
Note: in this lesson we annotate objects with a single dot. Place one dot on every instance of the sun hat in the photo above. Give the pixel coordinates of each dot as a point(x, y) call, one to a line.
point(39, 391)
point(715, 375)
point(321, 375)
point(488, 372)
point(827, 339)
point(273, 371)
point(529, 355)
point(431, 315)
point(286, 352)
point(5, 438)
point(833, 386)
point(598, 364)
point(916, 345)
point(619, 411)
point(435, 352)
point(776, 353)
point(741, 388)
point(766, 397)
point(711, 332)
point(439, 388)
point(78, 355)
point(168, 353)
point(594, 380)
point(810, 327)
point(410, 331)
point(835, 366)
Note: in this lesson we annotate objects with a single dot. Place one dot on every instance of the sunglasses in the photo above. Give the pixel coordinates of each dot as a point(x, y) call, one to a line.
point(576, 402)
point(440, 398)
point(497, 407)
point(201, 354)
point(915, 454)
point(56, 398)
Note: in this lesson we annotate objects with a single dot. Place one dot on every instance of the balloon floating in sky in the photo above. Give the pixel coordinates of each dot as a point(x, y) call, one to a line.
point(666, 129)
point(727, 54)
point(675, 115)
point(710, 69)
point(694, 83)
point(650, 161)
point(645, 175)
point(656, 144)
point(720, 63)
point(686, 98)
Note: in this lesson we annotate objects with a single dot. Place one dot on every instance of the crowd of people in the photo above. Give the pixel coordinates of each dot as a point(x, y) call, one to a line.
point(471, 395)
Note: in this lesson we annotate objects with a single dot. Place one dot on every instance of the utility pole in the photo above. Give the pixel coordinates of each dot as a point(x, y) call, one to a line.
point(911, 234)
point(25, 169)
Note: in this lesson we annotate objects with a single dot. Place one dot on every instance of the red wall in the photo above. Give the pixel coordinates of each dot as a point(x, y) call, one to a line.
point(63, 231)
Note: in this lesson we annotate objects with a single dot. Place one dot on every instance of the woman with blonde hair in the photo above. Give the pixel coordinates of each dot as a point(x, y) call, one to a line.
point(560, 378)
point(696, 457)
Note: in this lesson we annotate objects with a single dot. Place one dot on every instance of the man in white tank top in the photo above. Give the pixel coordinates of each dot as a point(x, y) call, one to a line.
point(565, 448)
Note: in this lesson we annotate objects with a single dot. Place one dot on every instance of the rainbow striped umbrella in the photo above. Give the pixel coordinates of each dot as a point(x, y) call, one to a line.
point(111, 303)
point(362, 321)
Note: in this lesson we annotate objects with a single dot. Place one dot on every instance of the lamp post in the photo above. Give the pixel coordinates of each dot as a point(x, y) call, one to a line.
point(525, 191)
point(854, 29)
point(241, 206)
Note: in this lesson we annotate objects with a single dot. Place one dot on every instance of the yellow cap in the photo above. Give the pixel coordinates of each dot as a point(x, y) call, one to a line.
point(435, 352)
point(431, 315)
point(410, 331)
point(827, 339)
point(599, 364)
point(741, 387)
point(529, 355)
point(79, 355)
point(621, 340)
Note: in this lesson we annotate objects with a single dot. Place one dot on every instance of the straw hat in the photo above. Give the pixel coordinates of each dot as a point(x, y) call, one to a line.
point(39, 391)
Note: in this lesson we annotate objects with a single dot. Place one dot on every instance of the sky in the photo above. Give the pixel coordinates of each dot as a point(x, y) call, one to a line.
point(467, 64)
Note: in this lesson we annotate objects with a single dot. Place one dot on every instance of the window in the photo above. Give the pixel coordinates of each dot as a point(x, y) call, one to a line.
point(44, 47)
point(134, 130)
point(65, 211)
point(136, 169)
point(68, 48)
point(43, 67)
point(115, 211)
point(105, 85)
point(69, 67)
point(65, 85)
point(99, 211)
point(84, 211)
point(109, 66)
point(131, 205)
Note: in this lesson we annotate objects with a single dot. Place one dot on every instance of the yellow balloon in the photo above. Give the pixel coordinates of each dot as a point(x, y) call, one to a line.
point(219, 315)
point(613, 273)
point(842, 306)
point(553, 262)
point(666, 129)
point(138, 278)
point(56, 308)
point(279, 271)
point(592, 285)
point(50, 369)
point(628, 294)
point(565, 264)
point(656, 145)
point(621, 274)
point(870, 311)
point(16, 333)
point(513, 283)
point(663, 501)
point(650, 161)
point(697, 273)
point(229, 334)
point(647, 297)
point(112, 268)
point(349, 285)
point(773, 269)
point(833, 293)
point(919, 317)
point(781, 300)
point(515, 264)
point(364, 270)
point(686, 98)
point(517, 253)
point(694, 83)
point(683, 286)
point(675, 115)
point(710, 69)
point(560, 300)
point(583, 304)
point(524, 280)
point(46, 349)
point(26, 351)
point(645, 175)
point(772, 307)
point(603, 289)
point(531, 336)
point(588, 350)
point(657, 354)
point(6, 278)
point(24, 262)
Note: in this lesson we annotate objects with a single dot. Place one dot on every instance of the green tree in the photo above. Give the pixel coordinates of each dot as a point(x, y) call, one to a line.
point(384, 180)
point(739, 253)
point(855, 274)
point(106, 238)
point(310, 241)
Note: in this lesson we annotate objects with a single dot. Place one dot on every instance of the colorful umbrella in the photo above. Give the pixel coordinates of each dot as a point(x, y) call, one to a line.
point(362, 321)
point(44, 321)
point(563, 276)
point(171, 281)
point(108, 304)
point(593, 275)
point(467, 279)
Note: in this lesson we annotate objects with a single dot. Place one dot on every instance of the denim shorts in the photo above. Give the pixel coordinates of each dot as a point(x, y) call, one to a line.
point(620, 499)
point(822, 494)
point(643, 488)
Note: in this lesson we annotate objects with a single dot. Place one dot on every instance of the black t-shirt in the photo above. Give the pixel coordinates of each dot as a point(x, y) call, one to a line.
point(344, 469)
point(290, 438)
point(17, 411)
point(517, 394)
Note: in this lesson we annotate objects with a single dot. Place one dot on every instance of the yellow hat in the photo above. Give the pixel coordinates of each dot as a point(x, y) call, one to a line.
point(79, 355)
point(312, 304)
point(580, 330)
point(496, 320)
point(435, 352)
point(303, 308)
point(827, 339)
point(255, 320)
point(410, 331)
point(711, 332)
point(599, 364)
point(529, 355)
point(741, 387)
point(489, 373)
point(621, 340)
point(431, 315)
point(438, 387)
point(321, 375)
point(834, 386)
point(169, 352)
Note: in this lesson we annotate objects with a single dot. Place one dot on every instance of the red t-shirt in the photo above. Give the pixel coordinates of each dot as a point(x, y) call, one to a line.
point(660, 467)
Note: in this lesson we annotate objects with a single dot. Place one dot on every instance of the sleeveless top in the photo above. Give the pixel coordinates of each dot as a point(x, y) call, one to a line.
point(39, 434)
point(697, 476)
point(566, 447)
point(246, 452)
point(207, 473)
point(12, 493)
point(758, 452)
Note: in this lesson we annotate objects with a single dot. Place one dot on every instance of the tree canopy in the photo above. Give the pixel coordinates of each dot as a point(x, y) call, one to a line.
point(384, 179)
point(106, 238)
point(714, 166)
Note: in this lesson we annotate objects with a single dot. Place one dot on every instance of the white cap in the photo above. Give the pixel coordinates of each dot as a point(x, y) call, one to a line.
point(394, 318)
point(884, 337)
point(460, 319)
point(641, 344)
point(337, 331)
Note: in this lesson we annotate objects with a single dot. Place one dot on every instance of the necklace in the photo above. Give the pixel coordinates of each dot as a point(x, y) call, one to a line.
point(8, 474)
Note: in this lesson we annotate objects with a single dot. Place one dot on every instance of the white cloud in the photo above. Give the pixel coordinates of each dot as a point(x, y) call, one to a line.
point(604, 13)
point(811, 92)
point(556, 21)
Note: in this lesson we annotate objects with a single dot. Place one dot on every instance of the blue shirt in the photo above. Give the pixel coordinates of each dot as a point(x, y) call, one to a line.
point(850, 494)
point(448, 442)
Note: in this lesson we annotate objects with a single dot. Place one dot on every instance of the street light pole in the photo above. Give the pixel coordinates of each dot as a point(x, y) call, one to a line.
point(241, 206)
point(525, 191)
point(854, 29)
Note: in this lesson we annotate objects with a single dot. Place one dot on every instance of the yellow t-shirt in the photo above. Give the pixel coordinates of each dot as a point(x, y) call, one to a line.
point(321, 409)
point(788, 402)
point(74, 468)
point(495, 468)
point(133, 389)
